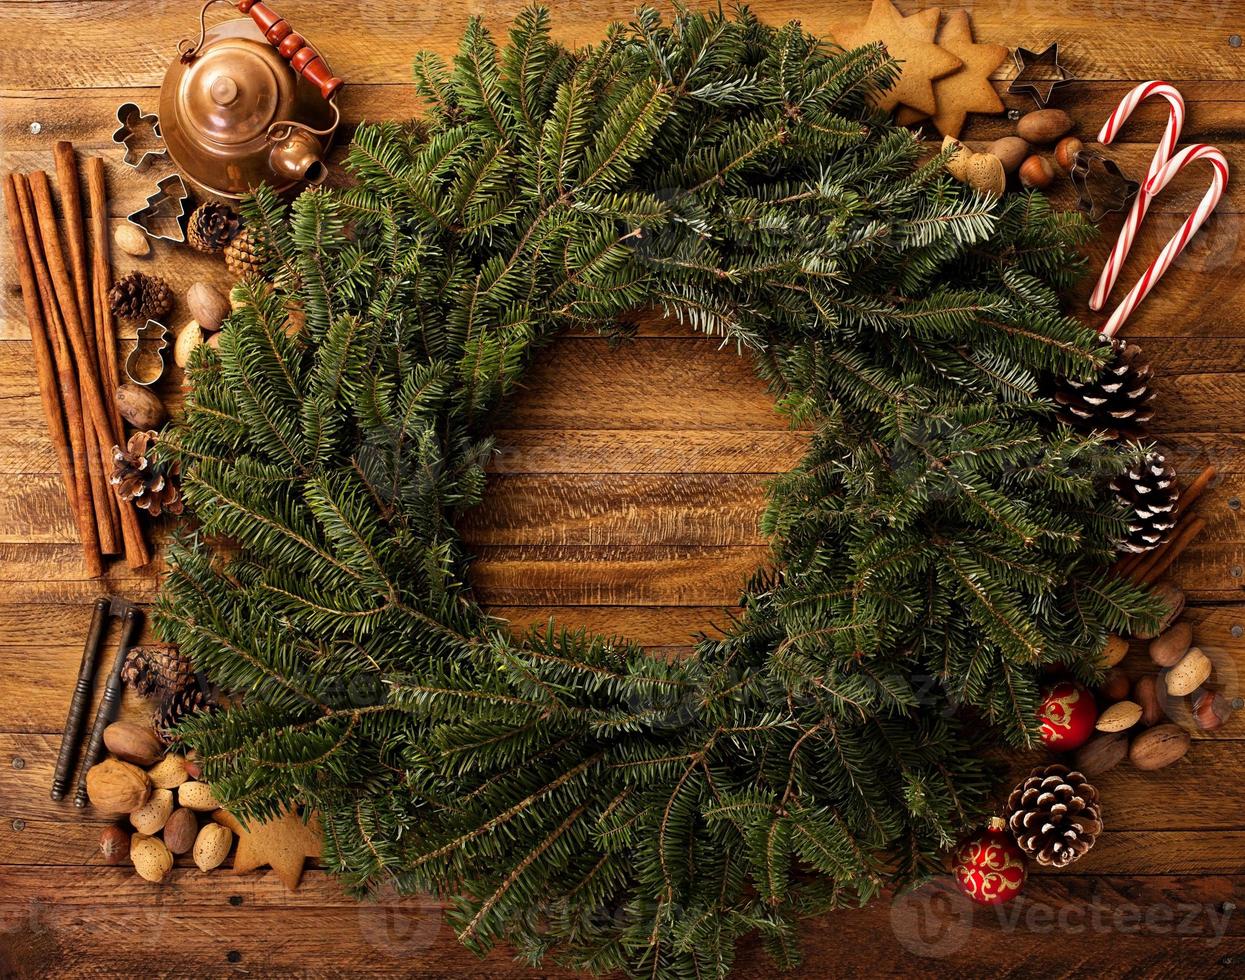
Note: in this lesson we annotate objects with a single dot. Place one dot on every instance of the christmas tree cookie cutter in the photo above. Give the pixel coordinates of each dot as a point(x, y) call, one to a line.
point(164, 215)
point(148, 361)
point(137, 130)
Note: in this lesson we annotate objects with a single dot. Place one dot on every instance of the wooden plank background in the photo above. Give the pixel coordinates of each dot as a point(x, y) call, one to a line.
point(625, 500)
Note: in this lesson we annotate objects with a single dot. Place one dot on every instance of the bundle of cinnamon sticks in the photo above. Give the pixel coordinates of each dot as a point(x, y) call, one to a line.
point(75, 345)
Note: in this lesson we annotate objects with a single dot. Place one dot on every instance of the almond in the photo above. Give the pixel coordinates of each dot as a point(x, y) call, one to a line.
point(197, 796)
point(1166, 650)
point(957, 166)
point(169, 772)
point(1114, 651)
point(151, 859)
point(1158, 747)
point(151, 817)
point(131, 240)
point(189, 337)
point(181, 830)
point(1120, 717)
point(1188, 674)
point(985, 174)
point(212, 846)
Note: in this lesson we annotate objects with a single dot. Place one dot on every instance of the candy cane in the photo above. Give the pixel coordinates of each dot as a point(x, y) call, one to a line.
point(1178, 241)
point(1141, 203)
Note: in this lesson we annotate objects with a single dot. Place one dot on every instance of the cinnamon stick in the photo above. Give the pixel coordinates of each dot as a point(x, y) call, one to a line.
point(136, 553)
point(47, 328)
point(101, 283)
point(45, 369)
point(1188, 497)
point(98, 431)
point(67, 176)
point(1177, 544)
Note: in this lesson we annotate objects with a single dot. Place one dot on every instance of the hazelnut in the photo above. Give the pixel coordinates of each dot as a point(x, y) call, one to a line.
point(114, 845)
point(1116, 686)
point(1037, 173)
point(1066, 150)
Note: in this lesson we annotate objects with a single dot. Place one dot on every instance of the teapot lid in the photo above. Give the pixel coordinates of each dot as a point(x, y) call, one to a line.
point(231, 94)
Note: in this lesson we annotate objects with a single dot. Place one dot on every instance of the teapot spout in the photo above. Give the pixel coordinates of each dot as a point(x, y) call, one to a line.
point(299, 157)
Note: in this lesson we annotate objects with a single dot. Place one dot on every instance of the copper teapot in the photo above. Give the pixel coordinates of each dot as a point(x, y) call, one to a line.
point(250, 102)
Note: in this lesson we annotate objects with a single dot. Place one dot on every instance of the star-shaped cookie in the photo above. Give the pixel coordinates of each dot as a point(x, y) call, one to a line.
point(910, 41)
point(281, 844)
point(969, 89)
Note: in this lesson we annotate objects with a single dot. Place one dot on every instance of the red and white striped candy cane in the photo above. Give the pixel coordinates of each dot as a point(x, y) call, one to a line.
point(1219, 180)
point(1141, 203)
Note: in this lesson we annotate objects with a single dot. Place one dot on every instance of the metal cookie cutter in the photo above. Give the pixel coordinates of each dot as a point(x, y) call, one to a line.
point(147, 361)
point(164, 215)
point(133, 124)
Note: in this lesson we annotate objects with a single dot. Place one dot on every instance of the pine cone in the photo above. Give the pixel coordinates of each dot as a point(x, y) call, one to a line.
point(242, 257)
point(160, 669)
point(139, 475)
point(1151, 492)
point(1054, 815)
point(212, 227)
point(140, 297)
point(1117, 403)
point(191, 700)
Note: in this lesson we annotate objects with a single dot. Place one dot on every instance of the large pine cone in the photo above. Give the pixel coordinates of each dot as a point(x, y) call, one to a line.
point(1151, 492)
point(140, 476)
point(1054, 815)
point(1117, 403)
point(140, 297)
point(242, 257)
point(213, 226)
point(175, 708)
point(160, 669)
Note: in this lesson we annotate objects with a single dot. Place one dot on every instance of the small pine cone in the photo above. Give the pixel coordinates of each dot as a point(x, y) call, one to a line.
point(160, 669)
point(140, 476)
point(1054, 815)
point(1117, 403)
point(1150, 489)
point(140, 297)
point(176, 707)
point(242, 257)
point(212, 227)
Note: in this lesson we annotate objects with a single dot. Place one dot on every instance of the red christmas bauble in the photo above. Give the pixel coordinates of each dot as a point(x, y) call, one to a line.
point(989, 867)
point(1067, 714)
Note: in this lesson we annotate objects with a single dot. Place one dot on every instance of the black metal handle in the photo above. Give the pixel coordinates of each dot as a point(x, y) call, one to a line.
point(81, 699)
point(131, 622)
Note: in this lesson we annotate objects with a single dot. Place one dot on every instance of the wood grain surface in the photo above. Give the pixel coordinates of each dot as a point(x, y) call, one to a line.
point(625, 500)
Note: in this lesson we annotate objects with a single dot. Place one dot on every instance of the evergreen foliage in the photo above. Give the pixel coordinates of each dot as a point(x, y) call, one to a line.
point(943, 542)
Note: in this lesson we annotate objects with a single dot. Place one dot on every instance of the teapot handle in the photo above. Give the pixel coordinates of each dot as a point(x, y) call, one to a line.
point(293, 47)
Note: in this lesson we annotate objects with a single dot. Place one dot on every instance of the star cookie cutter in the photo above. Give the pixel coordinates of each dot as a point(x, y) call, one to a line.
point(1039, 74)
point(1101, 187)
point(147, 362)
point(164, 215)
point(134, 124)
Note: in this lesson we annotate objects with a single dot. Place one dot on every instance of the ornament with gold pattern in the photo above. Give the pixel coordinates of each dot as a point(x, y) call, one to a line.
point(989, 867)
point(1067, 715)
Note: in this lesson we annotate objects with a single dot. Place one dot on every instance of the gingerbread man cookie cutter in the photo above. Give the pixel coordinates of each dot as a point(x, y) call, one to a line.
point(133, 124)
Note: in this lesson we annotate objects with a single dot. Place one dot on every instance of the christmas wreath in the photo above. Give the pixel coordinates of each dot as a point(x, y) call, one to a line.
point(944, 541)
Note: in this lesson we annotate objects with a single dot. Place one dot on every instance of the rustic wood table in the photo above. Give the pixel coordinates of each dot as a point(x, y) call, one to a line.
point(626, 500)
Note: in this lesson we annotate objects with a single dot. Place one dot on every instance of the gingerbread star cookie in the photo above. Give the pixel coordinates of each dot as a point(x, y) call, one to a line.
point(910, 41)
point(969, 89)
point(281, 844)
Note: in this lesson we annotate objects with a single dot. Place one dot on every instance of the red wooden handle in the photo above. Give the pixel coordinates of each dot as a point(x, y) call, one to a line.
point(303, 58)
